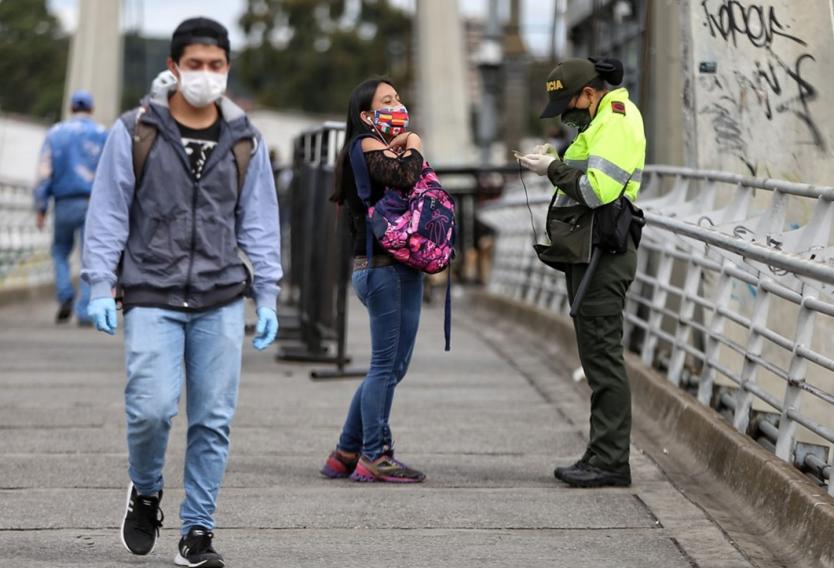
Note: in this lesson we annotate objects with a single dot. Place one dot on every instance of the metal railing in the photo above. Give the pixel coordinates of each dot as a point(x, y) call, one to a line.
point(24, 250)
point(732, 299)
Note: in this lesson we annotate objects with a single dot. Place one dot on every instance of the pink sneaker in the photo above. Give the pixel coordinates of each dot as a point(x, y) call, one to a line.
point(386, 469)
point(338, 466)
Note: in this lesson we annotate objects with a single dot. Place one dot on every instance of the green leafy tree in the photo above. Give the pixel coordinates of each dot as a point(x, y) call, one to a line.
point(309, 54)
point(33, 59)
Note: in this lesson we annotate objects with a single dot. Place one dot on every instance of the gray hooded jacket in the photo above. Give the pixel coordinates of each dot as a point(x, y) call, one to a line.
point(181, 238)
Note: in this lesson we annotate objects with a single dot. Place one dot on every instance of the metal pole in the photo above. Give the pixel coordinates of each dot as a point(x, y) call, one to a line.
point(559, 35)
point(95, 61)
point(489, 60)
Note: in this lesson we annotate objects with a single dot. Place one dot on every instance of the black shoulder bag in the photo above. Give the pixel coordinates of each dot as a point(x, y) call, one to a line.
point(580, 235)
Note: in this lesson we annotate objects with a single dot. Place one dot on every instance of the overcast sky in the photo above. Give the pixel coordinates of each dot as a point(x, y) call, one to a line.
point(160, 17)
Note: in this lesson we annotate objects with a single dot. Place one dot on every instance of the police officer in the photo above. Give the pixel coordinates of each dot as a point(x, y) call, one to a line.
point(605, 160)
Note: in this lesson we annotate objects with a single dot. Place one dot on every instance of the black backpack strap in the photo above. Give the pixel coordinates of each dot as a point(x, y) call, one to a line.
point(363, 187)
point(360, 168)
point(242, 151)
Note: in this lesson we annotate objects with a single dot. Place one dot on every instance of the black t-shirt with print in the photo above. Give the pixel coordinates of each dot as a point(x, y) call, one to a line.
point(199, 144)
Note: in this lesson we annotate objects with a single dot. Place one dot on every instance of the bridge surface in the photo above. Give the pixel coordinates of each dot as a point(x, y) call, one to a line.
point(487, 422)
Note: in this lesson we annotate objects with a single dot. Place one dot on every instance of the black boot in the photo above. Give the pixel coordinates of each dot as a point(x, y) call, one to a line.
point(559, 471)
point(588, 475)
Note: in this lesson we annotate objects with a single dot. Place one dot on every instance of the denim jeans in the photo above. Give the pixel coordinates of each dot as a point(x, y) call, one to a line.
point(393, 296)
point(69, 217)
point(161, 347)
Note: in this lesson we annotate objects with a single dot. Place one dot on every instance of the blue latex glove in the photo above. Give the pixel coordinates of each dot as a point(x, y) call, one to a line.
point(267, 328)
point(103, 313)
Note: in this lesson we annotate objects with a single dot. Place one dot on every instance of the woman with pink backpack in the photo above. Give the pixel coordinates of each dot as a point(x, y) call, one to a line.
point(379, 173)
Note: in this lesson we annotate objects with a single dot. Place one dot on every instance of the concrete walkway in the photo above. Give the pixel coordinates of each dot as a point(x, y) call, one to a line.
point(485, 433)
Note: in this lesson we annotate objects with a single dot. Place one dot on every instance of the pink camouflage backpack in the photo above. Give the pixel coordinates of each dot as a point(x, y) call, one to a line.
point(417, 228)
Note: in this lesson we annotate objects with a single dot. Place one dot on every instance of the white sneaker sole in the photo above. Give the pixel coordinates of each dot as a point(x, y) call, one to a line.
point(180, 561)
point(124, 518)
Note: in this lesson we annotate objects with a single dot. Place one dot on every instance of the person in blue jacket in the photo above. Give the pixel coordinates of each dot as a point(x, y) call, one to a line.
point(185, 236)
point(66, 169)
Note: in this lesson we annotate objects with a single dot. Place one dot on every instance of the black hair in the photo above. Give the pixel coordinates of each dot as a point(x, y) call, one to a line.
point(597, 84)
point(360, 101)
point(203, 31)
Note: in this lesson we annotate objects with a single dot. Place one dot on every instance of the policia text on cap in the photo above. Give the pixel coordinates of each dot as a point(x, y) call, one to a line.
point(604, 162)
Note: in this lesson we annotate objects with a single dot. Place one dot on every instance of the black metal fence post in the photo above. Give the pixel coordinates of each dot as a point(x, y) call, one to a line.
point(320, 256)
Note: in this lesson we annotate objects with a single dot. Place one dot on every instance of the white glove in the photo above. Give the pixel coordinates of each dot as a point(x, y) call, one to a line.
point(536, 163)
point(545, 150)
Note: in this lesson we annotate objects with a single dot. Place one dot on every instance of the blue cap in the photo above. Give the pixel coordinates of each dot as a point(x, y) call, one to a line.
point(81, 100)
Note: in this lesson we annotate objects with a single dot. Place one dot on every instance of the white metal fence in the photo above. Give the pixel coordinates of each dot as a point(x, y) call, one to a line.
point(24, 250)
point(733, 297)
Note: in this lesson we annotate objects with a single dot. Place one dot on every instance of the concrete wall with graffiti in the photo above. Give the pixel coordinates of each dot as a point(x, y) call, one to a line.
point(761, 87)
point(758, 98)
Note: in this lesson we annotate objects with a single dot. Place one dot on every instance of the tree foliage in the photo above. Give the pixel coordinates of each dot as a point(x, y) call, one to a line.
point(309, 54)
point(33, 59)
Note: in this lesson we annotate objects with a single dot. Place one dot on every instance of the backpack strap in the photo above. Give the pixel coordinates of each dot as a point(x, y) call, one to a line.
point(143, 135)
point(363, 188)
point(242, 151)
point(360, 169)
point(447, 311)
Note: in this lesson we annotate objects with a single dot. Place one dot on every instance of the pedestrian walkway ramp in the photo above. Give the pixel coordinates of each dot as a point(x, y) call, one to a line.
point(487, 422)
point(729, 322)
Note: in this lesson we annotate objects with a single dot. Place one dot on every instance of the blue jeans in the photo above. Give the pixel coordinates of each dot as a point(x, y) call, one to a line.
point(162, 346)
point(393, 296)
point(69, 217)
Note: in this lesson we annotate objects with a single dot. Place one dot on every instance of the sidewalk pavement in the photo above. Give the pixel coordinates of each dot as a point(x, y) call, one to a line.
point(486, 435)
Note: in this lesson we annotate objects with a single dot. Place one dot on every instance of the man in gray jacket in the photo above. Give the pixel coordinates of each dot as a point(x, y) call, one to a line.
point(184, 187)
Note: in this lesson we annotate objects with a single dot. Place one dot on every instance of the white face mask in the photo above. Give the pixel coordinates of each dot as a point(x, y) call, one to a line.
point(201, 88)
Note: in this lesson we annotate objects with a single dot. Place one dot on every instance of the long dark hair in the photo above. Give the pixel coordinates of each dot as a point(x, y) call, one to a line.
point(360, 101)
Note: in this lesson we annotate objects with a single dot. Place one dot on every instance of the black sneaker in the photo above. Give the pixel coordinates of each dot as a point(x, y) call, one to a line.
point(196, 550)
point(143, 519)
point(64, 312)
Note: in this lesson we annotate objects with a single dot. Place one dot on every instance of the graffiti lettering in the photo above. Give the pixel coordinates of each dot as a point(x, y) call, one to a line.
point(770, 77)
point(729, 132)
point(767, 81)
point(755, 22)
point(779, 78)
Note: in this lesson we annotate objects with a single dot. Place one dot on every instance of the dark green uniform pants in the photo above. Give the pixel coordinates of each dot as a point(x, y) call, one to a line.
point(599, 336)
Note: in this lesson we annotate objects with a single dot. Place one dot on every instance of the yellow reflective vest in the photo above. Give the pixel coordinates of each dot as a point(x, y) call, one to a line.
point(611, 149)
